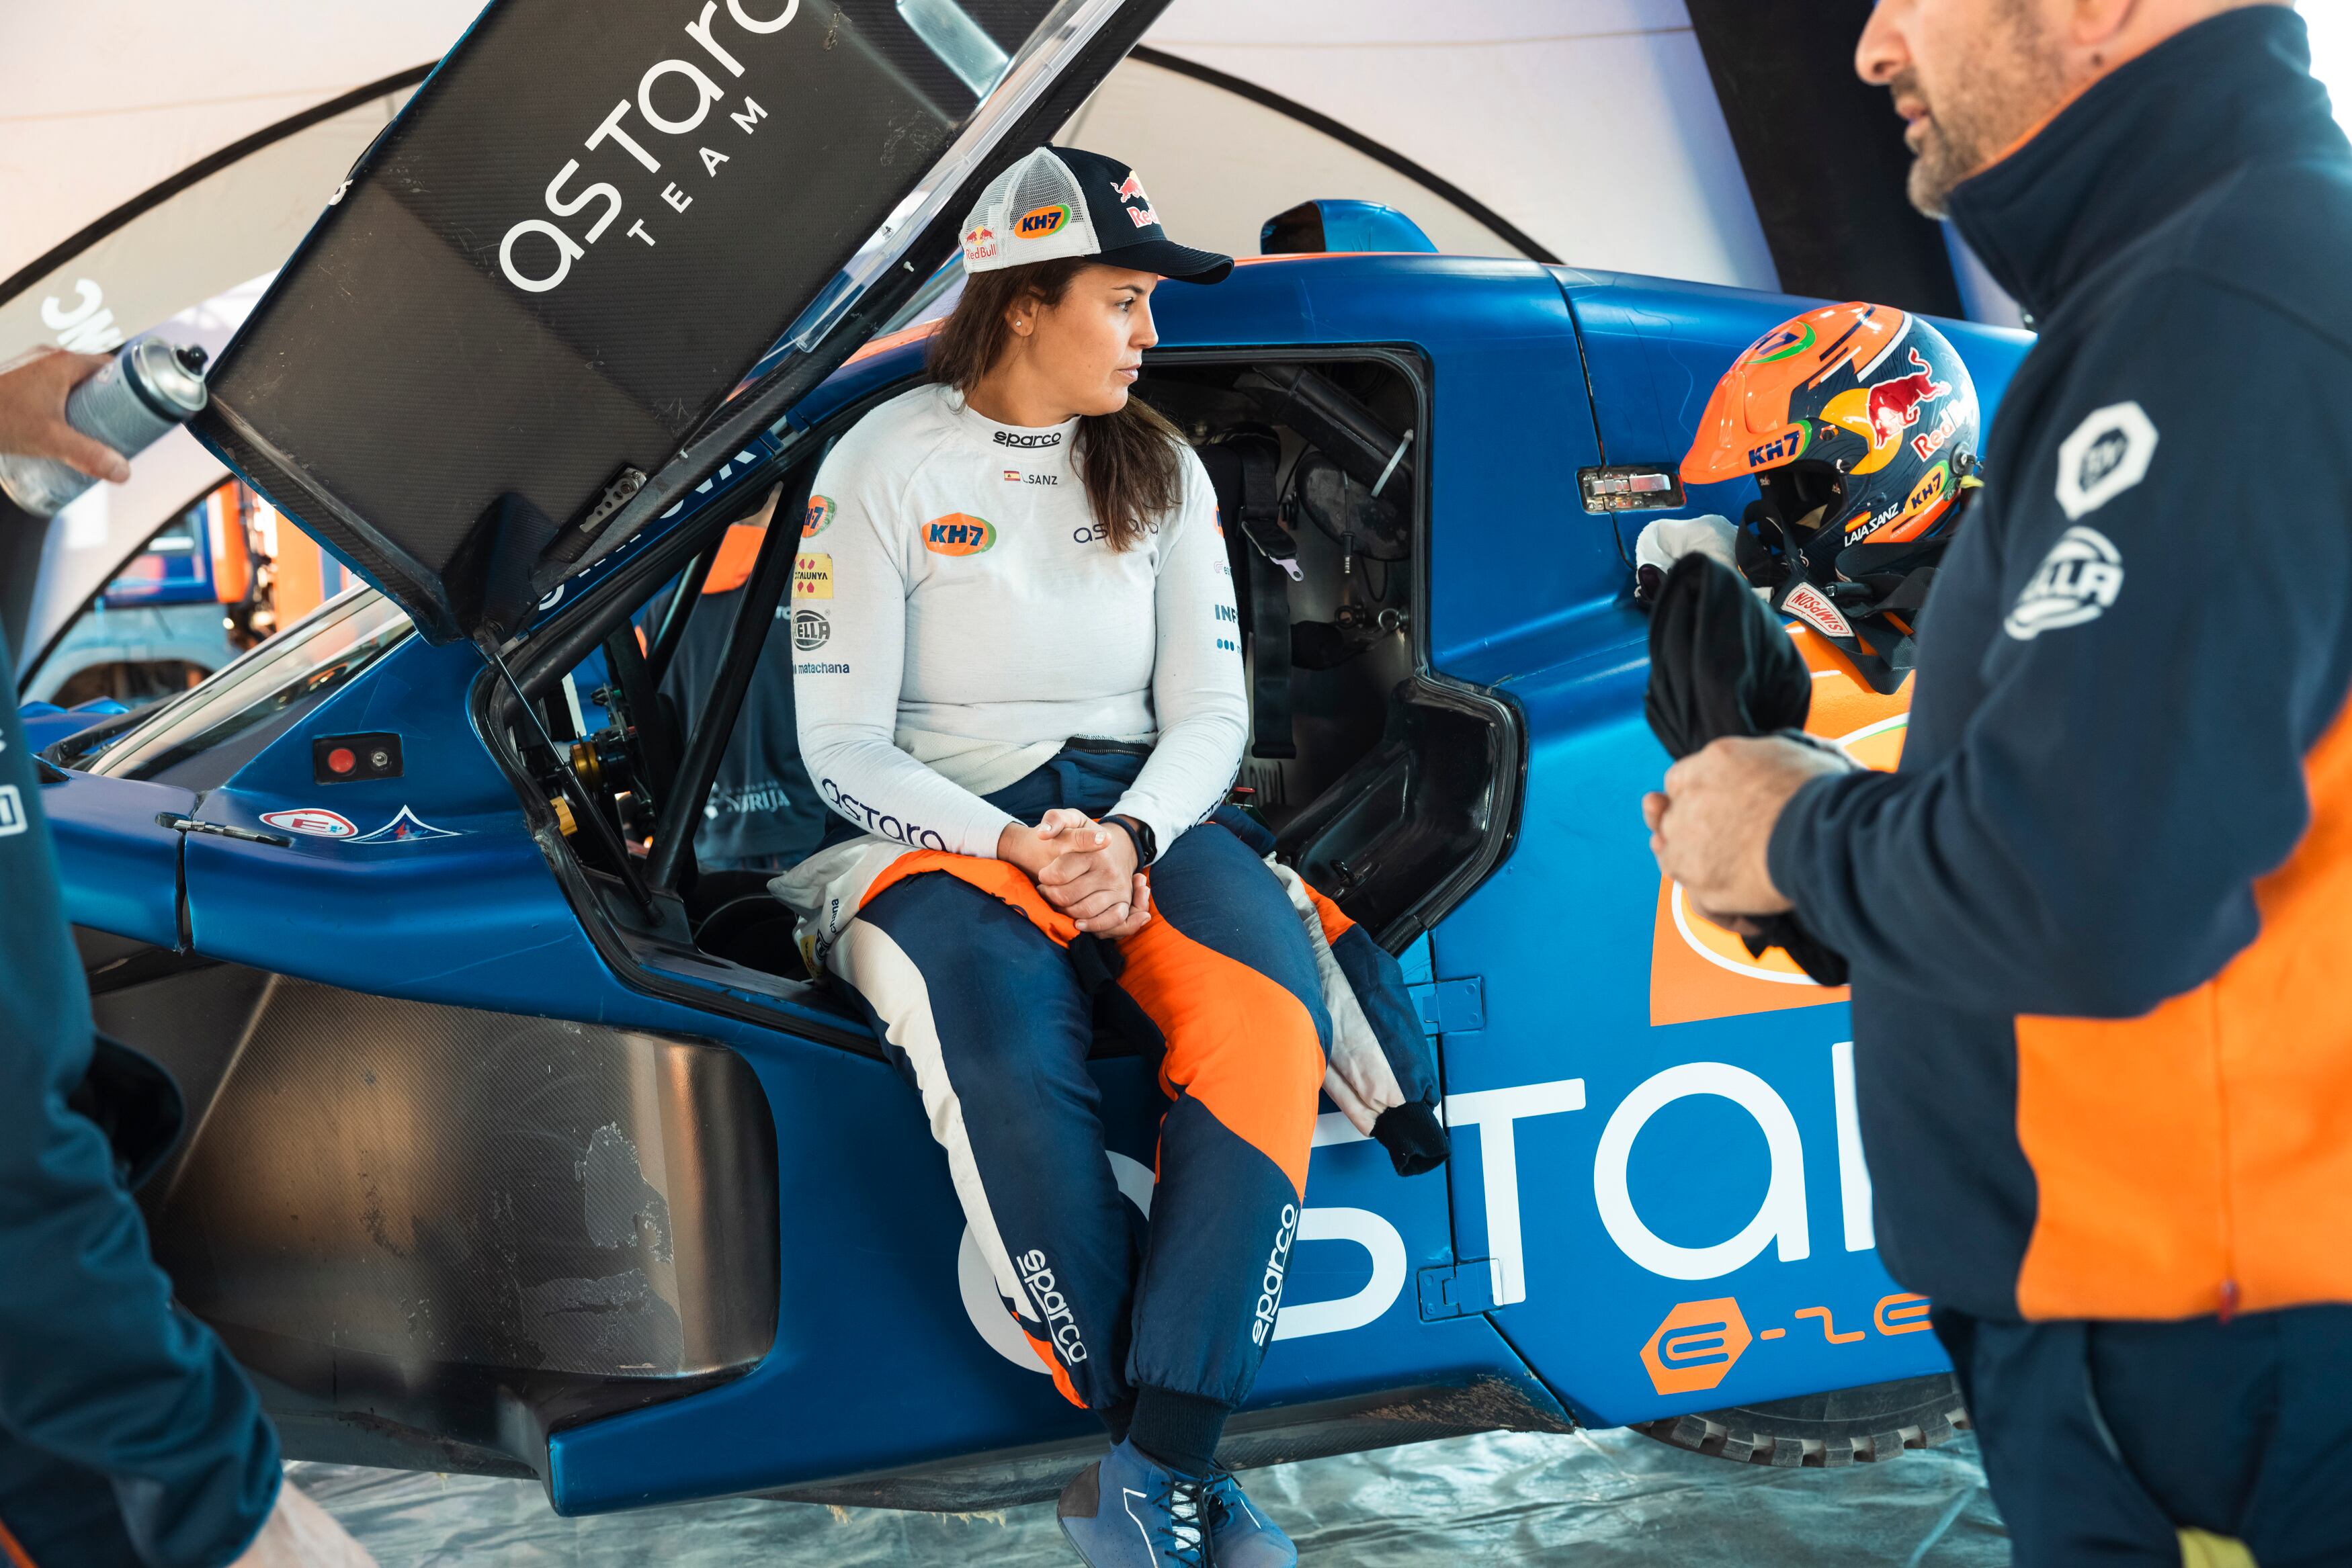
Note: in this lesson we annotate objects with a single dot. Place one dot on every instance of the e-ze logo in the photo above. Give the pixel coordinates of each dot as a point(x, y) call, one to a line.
point(957, 534)
point(1700, 1342)
point(1696, 1346)
point(658, 80)
point(1039, 221)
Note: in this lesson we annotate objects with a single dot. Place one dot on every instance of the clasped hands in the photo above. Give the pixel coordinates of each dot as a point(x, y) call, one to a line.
point(1085, 870)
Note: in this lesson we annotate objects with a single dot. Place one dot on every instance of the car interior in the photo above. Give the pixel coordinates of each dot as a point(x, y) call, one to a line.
point(1392, 789)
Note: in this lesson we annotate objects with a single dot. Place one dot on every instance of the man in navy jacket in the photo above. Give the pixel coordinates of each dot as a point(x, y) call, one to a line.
point(2100, 921)
point(128, 1437)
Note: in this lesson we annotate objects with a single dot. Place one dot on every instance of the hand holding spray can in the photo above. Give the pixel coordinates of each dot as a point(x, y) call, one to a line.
point(128, 404)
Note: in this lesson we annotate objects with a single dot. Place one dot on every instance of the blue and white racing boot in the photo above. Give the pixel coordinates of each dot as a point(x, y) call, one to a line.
point(1239, 1534)
point(1128, 1512)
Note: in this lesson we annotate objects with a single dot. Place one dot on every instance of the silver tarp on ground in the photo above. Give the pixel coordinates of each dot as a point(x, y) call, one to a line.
point(1601, 1500)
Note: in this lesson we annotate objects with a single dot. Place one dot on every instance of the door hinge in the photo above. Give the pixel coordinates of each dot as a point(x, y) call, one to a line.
point(180, 824)
point(1457, 1290)
point(1450, 1007)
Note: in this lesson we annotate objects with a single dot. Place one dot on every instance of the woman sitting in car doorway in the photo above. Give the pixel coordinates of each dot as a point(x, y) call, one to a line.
point(1019, 687)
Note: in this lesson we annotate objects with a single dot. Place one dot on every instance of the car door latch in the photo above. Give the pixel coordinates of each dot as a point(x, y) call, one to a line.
point(180, 824)
point(1457, 1290)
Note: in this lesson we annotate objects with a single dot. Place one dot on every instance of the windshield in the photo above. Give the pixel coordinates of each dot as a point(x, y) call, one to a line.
point(253, 700)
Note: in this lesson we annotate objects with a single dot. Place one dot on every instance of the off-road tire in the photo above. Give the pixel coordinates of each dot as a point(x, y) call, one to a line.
point(1849, 1427)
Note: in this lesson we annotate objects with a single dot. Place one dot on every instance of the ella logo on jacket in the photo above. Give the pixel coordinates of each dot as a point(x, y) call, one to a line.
point(957, 534)
point(2076, 583)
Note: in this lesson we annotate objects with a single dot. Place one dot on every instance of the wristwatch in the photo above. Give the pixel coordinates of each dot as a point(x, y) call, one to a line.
point(1147, 845)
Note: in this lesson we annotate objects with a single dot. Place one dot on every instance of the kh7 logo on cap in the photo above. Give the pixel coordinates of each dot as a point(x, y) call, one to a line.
point(958, 534)
point(1039, 221)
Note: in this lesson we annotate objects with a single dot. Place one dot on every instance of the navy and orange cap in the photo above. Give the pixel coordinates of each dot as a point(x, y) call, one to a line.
point(1062, 202)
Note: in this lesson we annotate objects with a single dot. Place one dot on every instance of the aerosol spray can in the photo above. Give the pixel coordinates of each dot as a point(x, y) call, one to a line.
point(128, 404)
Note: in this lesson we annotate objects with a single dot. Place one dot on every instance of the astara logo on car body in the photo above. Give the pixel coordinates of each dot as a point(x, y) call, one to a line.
point(1039, 221)
point(958, 534)
point(819, 513)
point(1698, 1345)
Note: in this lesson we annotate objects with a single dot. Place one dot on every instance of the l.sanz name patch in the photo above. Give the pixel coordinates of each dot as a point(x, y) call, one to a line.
point(2107, 454)
point(2076, 583)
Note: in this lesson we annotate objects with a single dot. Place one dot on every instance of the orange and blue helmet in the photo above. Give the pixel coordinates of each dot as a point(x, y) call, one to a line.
point(1860, 425)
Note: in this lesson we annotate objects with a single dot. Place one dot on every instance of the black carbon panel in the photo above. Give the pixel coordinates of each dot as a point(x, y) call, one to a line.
point(398, 379)
point(468, 1197)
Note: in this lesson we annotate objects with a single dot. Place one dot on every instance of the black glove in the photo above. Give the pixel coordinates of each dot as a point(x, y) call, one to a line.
point(1721, 664)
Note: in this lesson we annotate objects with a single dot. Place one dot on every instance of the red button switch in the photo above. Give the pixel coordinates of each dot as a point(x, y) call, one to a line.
point(341, 760)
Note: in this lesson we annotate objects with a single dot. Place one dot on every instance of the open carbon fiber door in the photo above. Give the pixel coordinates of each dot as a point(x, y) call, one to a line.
point(545, 278)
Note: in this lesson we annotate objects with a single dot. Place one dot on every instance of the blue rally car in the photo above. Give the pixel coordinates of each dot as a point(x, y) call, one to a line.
point(517, 1138)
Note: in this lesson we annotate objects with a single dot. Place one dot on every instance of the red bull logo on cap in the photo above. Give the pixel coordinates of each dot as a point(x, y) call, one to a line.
point(1131, 190)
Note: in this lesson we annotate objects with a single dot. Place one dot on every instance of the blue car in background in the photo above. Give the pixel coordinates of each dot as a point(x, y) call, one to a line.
point(156, 629)
point(520, 1140)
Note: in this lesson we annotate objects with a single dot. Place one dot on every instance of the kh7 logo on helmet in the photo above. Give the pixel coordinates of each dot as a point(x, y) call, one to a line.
point(2076, 583)
point(1039, 221)
point(958, 534)
point(1698, 1345)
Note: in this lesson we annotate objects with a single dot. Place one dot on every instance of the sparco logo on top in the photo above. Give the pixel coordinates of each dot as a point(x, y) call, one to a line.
point(666, 131)
point(1015, 438)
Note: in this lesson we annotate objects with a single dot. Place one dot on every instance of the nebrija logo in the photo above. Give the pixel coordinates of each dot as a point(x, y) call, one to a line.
point(2076, 583)
point(2107, 454)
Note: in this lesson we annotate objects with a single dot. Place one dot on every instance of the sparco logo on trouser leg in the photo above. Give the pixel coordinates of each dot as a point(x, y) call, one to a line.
point(1277, 1262)
point(1053, 1307)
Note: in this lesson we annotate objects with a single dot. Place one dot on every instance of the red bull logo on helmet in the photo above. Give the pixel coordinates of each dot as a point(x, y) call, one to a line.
point(1895, 405)
point(1881, 413)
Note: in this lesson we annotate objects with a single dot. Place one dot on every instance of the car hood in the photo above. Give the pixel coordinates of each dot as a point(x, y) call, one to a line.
point(508, 345)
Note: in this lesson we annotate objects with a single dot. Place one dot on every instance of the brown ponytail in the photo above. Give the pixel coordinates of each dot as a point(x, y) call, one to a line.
point(1131, 462)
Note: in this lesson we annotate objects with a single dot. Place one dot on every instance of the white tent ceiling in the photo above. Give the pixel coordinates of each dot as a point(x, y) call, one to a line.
point(1590, 124)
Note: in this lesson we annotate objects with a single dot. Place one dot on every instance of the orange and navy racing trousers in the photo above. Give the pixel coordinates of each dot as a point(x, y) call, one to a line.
point(980, 990)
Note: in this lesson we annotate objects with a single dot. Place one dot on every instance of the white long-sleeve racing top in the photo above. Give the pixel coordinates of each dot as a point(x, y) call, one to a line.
point(958, 616)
